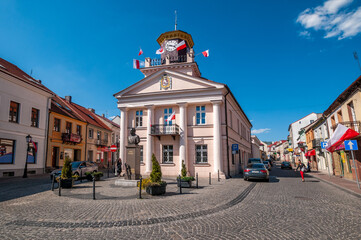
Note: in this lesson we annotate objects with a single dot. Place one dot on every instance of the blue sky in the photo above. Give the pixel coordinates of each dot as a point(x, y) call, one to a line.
point(282, 59)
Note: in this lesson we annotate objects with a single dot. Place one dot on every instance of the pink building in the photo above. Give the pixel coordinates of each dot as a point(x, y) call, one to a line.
point(181, 116)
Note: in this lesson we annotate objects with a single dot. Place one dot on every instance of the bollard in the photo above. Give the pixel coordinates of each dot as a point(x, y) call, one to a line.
point(93, 188)
point(140, 188)
point(197, 180)
point(180, 184)
point(108, 170)
point(210, 177)
point(52, 183)
point(59, 183)
point(218, 176)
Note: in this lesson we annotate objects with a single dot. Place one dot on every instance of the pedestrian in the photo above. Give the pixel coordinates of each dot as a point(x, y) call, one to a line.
point(119, 167)
point(302, 168)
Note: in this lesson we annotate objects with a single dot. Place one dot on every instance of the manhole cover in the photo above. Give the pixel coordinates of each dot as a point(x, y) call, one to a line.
point(304, 198)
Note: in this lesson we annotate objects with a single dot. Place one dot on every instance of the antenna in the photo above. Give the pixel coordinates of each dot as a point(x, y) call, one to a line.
point(356, 58)
point(175, 27)
point(31, 72)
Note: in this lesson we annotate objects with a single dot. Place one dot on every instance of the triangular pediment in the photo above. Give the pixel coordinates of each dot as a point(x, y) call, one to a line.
point(168, 81)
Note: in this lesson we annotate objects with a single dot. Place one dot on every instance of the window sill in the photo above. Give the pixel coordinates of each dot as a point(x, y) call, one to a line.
point(201, 164)
point(14, 122)
point(142, 164)
point(168, 164)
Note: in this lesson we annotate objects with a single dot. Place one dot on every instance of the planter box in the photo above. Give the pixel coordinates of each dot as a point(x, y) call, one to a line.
point(156, 190)
point(67, 183)
point(185, 184)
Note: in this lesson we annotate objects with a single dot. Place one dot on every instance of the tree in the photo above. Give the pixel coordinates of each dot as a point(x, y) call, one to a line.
point(66, 172)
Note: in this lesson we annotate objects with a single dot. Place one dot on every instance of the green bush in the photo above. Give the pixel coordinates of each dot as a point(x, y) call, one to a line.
point(184, 170)
point(186, 179)
point(66, 172)
point(156, 175)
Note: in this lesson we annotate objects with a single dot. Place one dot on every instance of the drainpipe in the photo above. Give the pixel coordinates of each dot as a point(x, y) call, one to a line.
point(225, 106)
point(86, 140)
point(47, 132)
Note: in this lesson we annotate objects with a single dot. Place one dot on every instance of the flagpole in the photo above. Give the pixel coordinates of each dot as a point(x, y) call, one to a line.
point(357, 59)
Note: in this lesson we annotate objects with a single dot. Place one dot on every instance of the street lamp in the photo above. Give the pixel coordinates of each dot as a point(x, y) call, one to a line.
point(28, 140)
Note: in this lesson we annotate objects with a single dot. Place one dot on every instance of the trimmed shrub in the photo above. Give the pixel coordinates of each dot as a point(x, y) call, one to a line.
point(184, 170)
point(156, 175)
point(66, 172)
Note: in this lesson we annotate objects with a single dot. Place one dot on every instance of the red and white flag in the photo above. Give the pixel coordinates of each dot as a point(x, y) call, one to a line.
point(159, 51)
point(171, 117)
point(206, 53)
point(34, 146)
point(137, 64)
point(181, 45)
point(140, 52)
point(341, 134)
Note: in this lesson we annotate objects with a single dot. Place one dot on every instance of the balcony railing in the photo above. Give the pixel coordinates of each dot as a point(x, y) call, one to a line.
point(71, 138)
point(156, 62)
point(163, 130)
point(354, 125)
point(102, 142)
point(316, 143)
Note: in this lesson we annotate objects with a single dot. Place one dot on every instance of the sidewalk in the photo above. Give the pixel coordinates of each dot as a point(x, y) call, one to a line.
point(341, 183)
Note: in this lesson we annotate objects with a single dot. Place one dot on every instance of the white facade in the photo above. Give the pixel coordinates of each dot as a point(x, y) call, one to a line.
point(324, 157)
point(28, 95)
point(256, 144)
point(295, 127)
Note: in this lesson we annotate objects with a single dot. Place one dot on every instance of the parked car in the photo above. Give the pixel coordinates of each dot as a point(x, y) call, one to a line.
point(286, 165)
point(256, 171)
point(79, 168)
point(254, 160)
point(267, 164)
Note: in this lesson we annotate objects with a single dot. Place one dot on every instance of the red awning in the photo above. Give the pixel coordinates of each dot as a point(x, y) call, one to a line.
point(312, 152)
point(306, 154)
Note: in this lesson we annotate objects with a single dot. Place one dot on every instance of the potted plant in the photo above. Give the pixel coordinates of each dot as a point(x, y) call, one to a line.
point(66, 177)
point(97, 175)
point(185, 181)
point(155, 186)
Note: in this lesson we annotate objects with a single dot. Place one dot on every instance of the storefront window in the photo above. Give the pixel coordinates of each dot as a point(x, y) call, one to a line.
point(7, 148)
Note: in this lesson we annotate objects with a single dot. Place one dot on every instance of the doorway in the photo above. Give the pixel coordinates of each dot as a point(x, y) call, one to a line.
point(77, 155)
point(55, 157)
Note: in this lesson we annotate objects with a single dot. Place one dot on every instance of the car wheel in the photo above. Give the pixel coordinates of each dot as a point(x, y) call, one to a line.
point(245, 179)
point(76, 176)
point(267, 180)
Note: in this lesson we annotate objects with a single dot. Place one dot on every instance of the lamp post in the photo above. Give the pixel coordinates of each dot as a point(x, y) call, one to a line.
point(28, 140)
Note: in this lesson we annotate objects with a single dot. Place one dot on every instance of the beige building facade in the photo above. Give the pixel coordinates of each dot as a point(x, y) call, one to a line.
point(180, 116)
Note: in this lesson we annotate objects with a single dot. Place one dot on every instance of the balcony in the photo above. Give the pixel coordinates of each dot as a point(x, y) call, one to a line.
point(71, 138)
point(354, 125)
point(102, 142)
point(164, 130)
point(316, 143)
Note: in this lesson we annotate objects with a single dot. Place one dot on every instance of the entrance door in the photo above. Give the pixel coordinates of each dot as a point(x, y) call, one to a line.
point(77, 155)
point(55, 157)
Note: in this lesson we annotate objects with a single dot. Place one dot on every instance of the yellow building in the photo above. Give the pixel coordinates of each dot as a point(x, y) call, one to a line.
point(66, 134)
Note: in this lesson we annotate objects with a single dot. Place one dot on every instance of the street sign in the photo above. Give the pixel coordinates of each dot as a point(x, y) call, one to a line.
point(323, 145)
point(113, 148)
point(351, 145)
point(234, 147)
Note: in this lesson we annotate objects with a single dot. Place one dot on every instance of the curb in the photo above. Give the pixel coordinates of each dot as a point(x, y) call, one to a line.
point(338, 186)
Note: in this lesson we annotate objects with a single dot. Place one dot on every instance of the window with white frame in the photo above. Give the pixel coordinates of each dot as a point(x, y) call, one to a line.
point(201, 154)
point(141, 154)
point(91, 133)
point(139, 118)
point(200, 115)
point(167, 113)
point(167, 153)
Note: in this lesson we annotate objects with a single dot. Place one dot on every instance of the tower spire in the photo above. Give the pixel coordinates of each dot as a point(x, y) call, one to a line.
point(175, 27)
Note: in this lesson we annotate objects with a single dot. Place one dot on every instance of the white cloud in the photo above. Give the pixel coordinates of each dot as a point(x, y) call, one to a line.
point(259, 131)
point(334, 18)
point(306, 34)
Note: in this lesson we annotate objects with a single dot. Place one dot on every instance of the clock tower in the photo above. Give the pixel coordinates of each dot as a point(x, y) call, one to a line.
point(171, 57)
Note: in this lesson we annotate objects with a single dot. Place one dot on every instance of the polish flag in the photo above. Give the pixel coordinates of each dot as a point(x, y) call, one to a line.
point(206, 53)
point(181, 45)
point(159, 51)
point(137, 64)
point(171, 117)
point(34, 146)
point(140, 52)
point(341, 134)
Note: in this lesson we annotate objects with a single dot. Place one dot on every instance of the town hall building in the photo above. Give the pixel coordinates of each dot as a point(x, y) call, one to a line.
point(181, 116)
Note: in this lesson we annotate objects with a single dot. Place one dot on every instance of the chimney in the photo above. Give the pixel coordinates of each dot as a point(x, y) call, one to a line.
point(103, 115)
point(92, 110)
point(68, 99)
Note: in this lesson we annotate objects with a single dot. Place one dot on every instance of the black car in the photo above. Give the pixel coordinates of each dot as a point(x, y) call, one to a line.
point(256, 171)
point(286, 165)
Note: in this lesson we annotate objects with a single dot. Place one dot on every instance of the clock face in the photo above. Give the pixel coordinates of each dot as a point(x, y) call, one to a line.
point(171, 45)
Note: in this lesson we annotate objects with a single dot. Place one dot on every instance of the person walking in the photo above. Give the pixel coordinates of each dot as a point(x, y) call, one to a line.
point(302, 168)
point(119, 167)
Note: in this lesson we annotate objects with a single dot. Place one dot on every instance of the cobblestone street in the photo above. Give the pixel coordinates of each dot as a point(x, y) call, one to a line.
point(285, 208)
